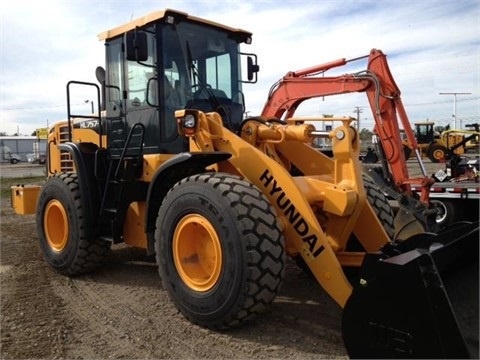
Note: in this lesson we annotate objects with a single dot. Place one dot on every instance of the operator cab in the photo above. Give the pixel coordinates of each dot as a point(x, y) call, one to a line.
point(167, 61)
point(424, 132)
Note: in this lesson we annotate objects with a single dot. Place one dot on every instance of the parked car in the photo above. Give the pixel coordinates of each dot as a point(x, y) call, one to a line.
point(34, 159)
point(12, 158)
point(7, 156)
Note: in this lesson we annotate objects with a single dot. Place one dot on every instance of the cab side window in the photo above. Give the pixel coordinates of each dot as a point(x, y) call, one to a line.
point(141, 77)
point(114, 85)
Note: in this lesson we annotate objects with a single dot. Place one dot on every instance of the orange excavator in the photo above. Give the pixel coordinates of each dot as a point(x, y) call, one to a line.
point(388, 112)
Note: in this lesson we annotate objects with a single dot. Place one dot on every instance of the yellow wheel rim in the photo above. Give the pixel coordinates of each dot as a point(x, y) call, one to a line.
point(197, 252)
point(438, 154)
point(55, 223)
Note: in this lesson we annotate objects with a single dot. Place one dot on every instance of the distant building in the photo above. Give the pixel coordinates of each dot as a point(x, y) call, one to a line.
point(23, 146)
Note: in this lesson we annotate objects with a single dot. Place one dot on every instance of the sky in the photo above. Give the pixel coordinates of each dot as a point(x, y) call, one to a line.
point(432, 47)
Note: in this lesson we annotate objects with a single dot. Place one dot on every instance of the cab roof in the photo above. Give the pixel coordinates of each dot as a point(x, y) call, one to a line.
point(424, 122)
point(157, 15)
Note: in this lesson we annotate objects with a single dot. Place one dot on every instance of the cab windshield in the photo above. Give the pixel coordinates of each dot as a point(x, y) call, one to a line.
point(187, 65)
point(201, 70)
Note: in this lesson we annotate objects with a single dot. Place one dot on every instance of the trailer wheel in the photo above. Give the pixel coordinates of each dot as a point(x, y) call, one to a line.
point(219, 249)
point(448, 213)
point(61, 227)
point(437, 153)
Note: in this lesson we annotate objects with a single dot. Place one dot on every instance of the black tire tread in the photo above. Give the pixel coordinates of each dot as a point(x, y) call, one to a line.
point(264, 246)
point(433, 148)
point(380, 205)
point(90, 253)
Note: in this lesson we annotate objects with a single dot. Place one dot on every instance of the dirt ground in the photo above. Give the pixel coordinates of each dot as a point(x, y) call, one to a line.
point(122, 311)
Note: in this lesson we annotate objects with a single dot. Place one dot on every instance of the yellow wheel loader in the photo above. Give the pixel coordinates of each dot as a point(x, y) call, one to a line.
point(446, 144)
point(222, 201)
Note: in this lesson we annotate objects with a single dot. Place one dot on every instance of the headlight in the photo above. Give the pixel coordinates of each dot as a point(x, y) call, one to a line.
point(187, 121)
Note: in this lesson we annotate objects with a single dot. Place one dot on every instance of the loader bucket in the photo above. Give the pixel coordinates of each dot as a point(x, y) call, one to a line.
point(417, 299)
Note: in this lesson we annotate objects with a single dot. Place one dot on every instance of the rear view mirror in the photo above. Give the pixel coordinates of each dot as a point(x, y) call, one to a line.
point(252, 69)
point(137, 46)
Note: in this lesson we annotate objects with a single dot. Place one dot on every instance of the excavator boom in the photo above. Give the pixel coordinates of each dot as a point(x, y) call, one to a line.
point(384, 98)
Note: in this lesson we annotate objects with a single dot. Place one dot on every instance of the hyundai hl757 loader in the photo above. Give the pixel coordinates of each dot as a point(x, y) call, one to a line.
point(222, 201)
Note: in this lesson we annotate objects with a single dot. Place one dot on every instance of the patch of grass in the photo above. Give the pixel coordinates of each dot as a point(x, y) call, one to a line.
point(7, 183)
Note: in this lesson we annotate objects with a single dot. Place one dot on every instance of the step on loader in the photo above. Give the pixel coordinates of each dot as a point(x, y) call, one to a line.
point(170, 164)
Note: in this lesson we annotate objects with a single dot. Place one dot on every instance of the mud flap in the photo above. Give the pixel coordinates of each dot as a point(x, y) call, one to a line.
point(418, 299)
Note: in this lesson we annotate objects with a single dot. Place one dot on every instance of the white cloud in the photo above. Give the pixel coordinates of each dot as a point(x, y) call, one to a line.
point(432, 47)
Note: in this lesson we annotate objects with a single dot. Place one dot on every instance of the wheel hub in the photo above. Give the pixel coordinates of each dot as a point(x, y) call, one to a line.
point(197, 252)
point(56, 225)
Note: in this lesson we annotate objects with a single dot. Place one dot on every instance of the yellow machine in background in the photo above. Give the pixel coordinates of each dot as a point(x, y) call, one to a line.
point(438, 146)
point(222, 200)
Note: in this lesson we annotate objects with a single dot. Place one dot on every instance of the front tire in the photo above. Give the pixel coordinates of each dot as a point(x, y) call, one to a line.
point(219, 250)
point(62, 226)
point(380, 204)
point(407, 152)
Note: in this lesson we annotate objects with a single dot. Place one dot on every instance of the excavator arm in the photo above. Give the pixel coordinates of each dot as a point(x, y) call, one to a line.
point(384, 98)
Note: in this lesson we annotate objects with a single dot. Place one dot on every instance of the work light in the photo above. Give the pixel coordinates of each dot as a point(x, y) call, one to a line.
point(187, 122)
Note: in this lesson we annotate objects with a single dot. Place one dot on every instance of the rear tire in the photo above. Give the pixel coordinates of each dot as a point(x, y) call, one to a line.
point(62, 226)
point(219, 249)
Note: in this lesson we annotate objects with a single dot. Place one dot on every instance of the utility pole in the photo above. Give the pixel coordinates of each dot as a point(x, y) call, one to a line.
point(358, 110)
point(455, 106)
point(91, 103)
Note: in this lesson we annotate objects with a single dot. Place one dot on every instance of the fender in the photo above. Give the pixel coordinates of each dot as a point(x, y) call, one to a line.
point(169, 173)
point(83, 158)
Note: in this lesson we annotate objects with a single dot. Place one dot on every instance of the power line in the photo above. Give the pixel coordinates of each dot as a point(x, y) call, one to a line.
point(444, 101)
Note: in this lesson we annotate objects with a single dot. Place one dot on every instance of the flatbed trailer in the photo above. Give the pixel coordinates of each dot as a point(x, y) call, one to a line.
point(457, 201)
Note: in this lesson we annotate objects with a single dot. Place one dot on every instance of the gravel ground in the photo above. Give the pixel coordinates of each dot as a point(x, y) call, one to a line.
point(122, 311)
